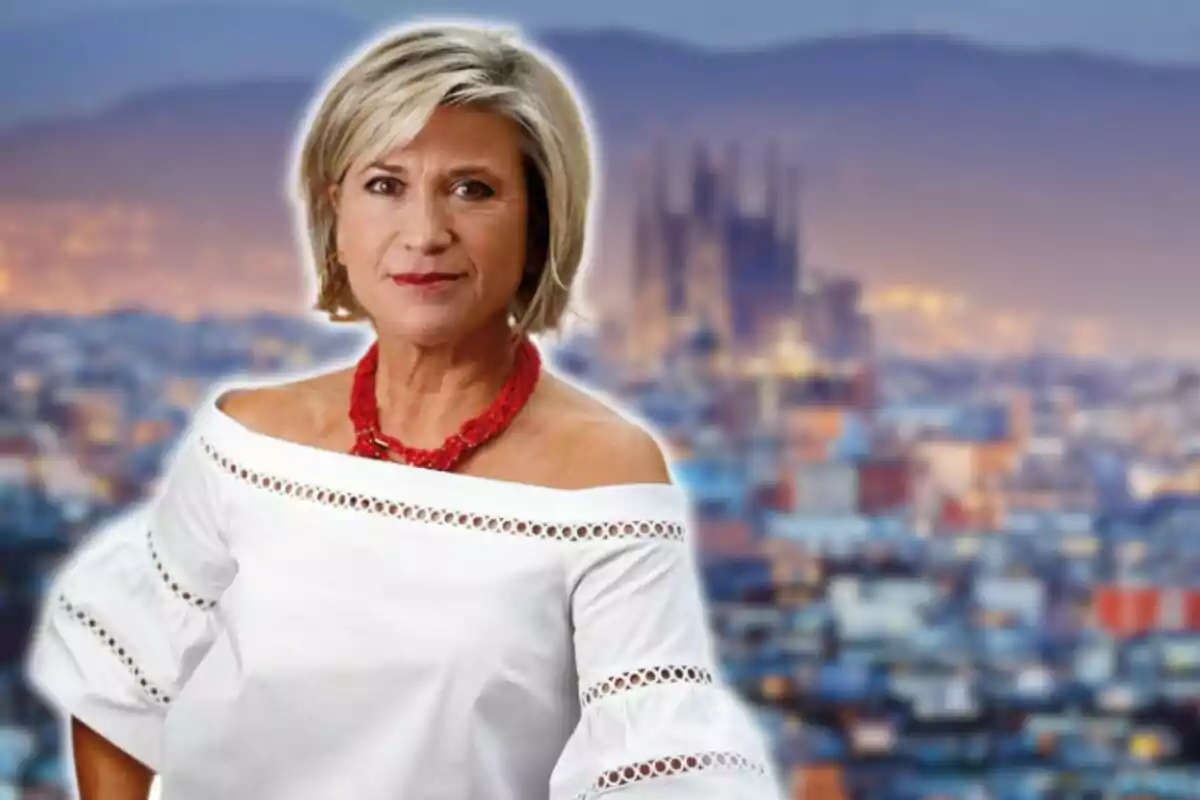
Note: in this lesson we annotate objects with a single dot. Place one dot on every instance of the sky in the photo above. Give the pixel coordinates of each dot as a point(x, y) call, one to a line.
point(1147, 30)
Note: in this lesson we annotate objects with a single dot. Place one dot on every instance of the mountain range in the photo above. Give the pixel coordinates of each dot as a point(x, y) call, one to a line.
point(1048, 183)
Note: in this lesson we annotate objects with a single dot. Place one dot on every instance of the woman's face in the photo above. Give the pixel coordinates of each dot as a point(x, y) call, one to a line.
point(432, 234)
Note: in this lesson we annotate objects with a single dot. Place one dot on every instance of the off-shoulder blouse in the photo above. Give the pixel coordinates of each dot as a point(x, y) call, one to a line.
point(282, 622)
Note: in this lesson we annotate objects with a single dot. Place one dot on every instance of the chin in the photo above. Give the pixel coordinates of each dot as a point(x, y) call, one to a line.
point(426, 333)
point(427, 326)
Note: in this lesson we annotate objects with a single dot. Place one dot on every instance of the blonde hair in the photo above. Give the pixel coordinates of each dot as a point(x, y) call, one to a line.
point(387, 93)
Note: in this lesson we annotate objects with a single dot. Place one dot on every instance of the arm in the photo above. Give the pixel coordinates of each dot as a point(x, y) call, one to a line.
point(127, 619)
point(656, 720)
point(105, 772)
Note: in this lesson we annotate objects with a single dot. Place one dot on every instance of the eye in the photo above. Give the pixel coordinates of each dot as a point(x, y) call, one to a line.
point(473, 190)
point(384, 185)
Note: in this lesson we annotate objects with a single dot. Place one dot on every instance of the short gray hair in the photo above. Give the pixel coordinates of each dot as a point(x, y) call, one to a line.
point(384, 95)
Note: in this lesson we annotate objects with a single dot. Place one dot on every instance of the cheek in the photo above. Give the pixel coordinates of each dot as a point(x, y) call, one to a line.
point(496, 245)
point(361, 231)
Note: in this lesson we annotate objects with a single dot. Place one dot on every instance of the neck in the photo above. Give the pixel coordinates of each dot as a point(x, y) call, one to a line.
point(425, 392)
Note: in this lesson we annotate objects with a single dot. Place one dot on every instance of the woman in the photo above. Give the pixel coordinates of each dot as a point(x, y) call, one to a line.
point(443, 573)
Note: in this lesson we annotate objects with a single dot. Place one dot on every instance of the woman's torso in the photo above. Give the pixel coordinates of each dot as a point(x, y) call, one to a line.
point(391, 632)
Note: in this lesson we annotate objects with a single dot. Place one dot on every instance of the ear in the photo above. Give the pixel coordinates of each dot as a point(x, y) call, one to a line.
point(334, 193)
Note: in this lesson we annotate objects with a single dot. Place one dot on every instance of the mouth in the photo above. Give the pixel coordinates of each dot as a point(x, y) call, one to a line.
point(426, 278)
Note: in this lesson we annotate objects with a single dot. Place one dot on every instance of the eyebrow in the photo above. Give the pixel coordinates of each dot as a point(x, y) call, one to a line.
point(395, 169)
point(456, 172)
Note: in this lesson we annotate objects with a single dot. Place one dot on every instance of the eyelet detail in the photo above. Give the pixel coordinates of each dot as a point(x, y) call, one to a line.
point(385, 507)
point(711, 761)
point(155, 693)
point(189, 597)
point(640, 678)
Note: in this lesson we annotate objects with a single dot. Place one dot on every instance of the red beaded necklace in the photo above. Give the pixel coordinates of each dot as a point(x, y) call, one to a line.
point(371, 442)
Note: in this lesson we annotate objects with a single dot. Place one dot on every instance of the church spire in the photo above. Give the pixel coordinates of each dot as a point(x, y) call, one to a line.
point(660, 177)
point(705, 191)
point(773, 185)
point(732, 181)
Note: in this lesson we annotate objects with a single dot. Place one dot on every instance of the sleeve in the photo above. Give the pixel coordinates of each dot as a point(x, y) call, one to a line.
point(131, 612)
point(656, 720)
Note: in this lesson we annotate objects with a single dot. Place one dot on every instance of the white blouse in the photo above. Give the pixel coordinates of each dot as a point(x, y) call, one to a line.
point(287, 623)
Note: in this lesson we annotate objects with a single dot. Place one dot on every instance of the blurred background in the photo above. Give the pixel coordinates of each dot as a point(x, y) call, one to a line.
point(909, 287)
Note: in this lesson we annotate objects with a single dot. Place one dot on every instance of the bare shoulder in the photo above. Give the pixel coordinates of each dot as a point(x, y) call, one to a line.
point(294, 410)
point(598, 445)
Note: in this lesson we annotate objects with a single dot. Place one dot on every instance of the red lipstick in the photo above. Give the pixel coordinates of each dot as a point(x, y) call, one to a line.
point(426, 278)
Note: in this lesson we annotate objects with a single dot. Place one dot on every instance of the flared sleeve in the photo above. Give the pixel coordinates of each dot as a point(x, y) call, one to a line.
point(657, 722)
point(132, 610)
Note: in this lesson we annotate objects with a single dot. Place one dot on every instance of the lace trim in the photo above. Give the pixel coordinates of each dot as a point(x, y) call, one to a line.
point(188, 597)
point(117, 649)
point(382, 506)
point(646, 676)
point(711, 761)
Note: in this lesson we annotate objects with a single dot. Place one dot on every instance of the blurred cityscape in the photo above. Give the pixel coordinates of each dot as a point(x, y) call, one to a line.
point(966, 576)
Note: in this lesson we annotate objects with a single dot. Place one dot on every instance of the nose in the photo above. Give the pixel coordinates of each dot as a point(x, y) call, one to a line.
point(425, 224)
